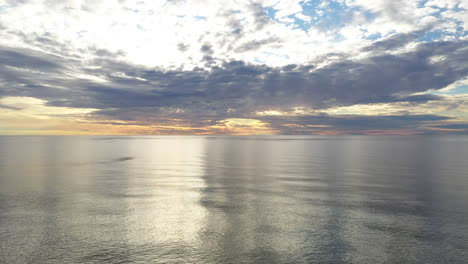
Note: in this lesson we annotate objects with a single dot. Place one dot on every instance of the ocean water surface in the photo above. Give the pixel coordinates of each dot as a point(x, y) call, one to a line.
point(263, 199)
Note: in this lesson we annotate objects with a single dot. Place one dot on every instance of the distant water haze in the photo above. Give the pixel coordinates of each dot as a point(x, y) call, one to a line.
point(256, 199)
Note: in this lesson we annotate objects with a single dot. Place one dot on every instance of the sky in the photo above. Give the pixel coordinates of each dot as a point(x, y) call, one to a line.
point(227, 67)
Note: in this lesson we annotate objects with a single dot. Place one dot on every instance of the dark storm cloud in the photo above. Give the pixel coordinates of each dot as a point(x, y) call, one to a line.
point(25, 72)
point(376, 79)
point(357, 124)
point(396, 41)
point(422, 98)
point(233, 88)
point(27, 59)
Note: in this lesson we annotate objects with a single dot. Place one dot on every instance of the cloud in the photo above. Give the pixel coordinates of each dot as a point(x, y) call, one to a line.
point(420, 98)
point(238, 85)
point(206, 64)
point(28, 59)
point(395, 41)
point(256, 44)
point(442, 3)
point(454, 126)
point(352, 124)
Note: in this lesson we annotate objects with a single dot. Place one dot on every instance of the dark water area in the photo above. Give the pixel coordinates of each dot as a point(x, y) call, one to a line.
point(272, 199)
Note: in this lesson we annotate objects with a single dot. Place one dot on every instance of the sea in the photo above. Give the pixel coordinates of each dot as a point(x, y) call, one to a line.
point(233, 199)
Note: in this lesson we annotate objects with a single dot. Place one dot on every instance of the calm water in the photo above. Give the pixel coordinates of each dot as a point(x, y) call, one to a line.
point(234, 199)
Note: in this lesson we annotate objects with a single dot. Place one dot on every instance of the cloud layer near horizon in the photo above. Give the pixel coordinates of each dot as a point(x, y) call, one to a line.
point(260, 67)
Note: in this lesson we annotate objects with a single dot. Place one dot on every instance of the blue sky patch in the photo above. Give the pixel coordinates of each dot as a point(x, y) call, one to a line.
point(463, 89)
point(324, 15)
point(200, 18)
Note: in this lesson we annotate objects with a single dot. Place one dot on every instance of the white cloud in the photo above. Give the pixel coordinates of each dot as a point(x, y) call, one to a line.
point(442, 3)
point(151, 32)
point(286, 8)
point(303, 17)
point(461, 16)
